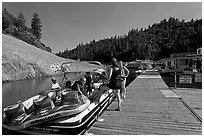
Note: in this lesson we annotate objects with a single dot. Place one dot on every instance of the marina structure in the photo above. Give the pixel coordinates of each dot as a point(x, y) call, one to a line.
point(183, 61)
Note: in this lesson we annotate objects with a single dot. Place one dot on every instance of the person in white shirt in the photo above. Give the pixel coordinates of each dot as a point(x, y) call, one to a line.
point(55, 84)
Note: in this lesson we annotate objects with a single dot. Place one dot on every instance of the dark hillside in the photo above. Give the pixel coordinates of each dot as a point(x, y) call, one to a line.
point(155, 42)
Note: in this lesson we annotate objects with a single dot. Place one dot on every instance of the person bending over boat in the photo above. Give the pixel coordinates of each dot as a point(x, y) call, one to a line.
point(68, 84)
point(55, 84)
point(115, 81)
point(125, 73)
point(80, 86)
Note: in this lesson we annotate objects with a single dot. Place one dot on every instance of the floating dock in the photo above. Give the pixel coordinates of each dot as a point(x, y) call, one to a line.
point(150, 108)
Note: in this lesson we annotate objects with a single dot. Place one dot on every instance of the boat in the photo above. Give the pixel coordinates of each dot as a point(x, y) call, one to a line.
point(75, 124)
point(41, 108)
point(60, 111)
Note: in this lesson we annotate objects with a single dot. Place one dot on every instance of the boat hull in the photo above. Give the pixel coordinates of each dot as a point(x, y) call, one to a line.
point(47, 114)
point(80, 125)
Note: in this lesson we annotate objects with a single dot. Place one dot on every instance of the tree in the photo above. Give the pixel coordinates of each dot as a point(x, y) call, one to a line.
point(157, 42)
point(6, 19)
point(36, 26)
point(21, 22)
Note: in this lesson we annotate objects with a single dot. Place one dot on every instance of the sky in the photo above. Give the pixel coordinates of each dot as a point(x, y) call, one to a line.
point(67, 24)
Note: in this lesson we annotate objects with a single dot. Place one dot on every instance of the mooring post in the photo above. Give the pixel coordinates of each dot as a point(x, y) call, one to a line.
point(175, 80)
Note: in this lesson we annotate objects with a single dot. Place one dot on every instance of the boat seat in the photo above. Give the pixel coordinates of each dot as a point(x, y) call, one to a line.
point(14, 111)
point(43, 103)
point(29, 106)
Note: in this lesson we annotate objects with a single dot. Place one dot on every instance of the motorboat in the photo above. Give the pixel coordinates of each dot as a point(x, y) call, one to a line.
point(60, 111)
point(41, 108)
point(78, 123)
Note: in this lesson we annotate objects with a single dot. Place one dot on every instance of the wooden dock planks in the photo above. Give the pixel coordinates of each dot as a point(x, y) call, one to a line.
point(145, 111)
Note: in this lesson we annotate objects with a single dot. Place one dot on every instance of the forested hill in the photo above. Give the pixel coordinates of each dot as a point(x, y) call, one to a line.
point(17, 27)
point(155, 42)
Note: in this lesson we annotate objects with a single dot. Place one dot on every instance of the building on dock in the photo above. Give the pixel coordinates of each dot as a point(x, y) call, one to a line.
point(190, 61)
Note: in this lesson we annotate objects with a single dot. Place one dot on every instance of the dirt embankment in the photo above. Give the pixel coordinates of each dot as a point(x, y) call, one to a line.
point(22, 61)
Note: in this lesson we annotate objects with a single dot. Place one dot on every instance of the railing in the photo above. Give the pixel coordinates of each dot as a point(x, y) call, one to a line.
point(188, 80)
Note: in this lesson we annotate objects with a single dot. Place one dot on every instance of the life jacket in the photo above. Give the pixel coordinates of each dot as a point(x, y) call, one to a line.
point(116, 74)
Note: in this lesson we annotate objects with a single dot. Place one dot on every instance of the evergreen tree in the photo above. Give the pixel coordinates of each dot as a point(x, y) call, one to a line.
point(21, 22)
point(36, 26)
point(6, 20)
point(17, 28)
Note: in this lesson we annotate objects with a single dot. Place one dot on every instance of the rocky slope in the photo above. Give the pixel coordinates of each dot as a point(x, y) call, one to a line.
point(22, 61)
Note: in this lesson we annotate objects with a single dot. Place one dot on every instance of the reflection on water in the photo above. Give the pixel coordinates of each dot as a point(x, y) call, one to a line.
point(21, 90)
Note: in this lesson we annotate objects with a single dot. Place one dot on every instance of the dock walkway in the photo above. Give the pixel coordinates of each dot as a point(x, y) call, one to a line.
point(150, 108)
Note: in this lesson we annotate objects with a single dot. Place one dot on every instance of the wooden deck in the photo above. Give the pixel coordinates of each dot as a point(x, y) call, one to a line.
point(147, 111)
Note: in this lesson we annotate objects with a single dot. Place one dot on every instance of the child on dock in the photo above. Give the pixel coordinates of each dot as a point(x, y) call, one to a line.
point(124, 74)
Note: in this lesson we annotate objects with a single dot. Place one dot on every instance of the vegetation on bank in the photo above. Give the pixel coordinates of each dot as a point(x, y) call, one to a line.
point(18, 28)
point(155, 42)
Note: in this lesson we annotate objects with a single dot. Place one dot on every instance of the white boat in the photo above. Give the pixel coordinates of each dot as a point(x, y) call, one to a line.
point(74, 124)
point(60, 111)
point(41, 108)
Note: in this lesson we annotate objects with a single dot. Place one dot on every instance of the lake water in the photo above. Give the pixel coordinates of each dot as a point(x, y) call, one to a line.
point(12, 92)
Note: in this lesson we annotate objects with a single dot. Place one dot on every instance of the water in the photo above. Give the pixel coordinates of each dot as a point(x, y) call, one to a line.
point(12, 92)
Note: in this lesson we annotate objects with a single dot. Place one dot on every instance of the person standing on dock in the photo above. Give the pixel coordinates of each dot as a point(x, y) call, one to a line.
point(114, 81)
point(124, 73)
